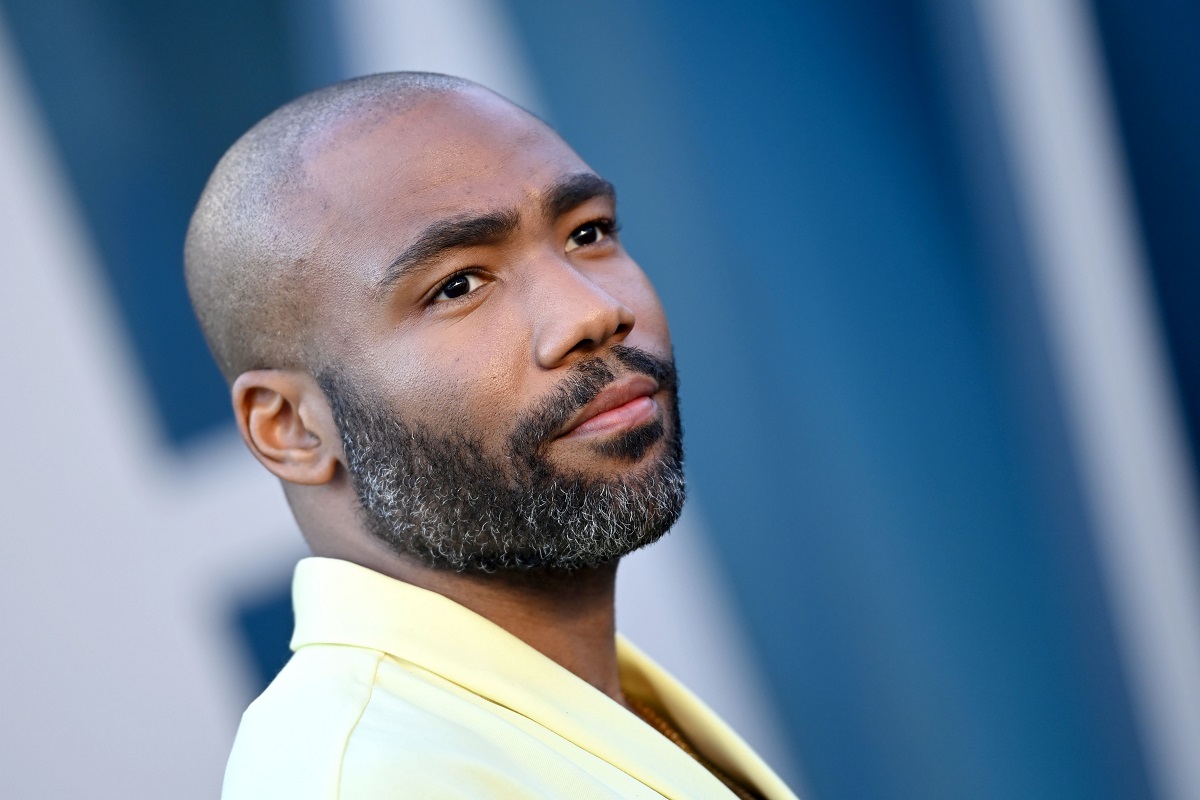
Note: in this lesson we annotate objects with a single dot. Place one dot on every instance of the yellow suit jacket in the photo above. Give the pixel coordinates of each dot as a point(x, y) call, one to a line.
point(398, 692)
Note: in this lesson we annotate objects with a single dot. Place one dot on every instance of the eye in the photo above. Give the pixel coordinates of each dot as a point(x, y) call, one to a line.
point(457, 286)
point(590, 233)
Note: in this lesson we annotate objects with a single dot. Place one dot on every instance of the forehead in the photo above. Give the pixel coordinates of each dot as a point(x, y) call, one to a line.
point(379, 182)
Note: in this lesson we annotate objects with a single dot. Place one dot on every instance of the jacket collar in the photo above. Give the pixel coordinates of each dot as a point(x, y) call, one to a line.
point(341, 603)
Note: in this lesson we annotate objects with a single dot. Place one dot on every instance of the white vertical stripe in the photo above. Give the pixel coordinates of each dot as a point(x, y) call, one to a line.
point(1092, 279)
point(472, 39)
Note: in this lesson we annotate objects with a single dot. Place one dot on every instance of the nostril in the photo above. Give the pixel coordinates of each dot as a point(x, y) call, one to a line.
point(583, 346)
point(623, 329)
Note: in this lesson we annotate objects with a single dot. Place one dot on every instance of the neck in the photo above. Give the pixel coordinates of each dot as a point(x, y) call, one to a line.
point(567, 617)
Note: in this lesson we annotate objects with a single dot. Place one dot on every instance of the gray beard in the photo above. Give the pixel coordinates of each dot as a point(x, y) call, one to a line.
point(445, 501)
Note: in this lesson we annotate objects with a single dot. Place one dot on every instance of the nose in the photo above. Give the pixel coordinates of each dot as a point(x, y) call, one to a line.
point(573, 313)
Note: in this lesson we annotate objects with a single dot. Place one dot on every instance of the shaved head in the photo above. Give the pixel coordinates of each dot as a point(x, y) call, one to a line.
point(250, 258)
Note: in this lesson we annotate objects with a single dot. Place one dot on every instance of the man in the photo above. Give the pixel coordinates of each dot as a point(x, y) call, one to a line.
point(436, 341)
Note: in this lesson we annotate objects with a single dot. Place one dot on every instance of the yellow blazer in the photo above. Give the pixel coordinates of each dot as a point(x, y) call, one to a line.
point(398, 692)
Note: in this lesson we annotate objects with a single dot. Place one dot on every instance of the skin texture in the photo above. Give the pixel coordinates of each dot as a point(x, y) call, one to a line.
point(544, 294)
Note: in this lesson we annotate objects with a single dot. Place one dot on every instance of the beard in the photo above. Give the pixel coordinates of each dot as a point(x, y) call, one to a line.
point(445, 500)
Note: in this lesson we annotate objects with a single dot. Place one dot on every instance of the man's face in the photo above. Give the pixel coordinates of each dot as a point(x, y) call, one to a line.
point(498, 366)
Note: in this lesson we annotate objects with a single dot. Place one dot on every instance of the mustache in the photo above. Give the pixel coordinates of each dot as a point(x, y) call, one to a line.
point(581, 385)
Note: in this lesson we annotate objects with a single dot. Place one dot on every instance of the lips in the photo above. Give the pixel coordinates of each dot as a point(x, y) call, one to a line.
point(623, 404)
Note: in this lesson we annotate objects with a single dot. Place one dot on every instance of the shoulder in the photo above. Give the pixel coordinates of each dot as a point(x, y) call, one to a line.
point(292, 740)
point(356, 724)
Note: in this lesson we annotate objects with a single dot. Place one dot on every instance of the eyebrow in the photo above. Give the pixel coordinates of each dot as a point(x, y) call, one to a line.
point(575, 190)
point(445, 235)
point(458, 233)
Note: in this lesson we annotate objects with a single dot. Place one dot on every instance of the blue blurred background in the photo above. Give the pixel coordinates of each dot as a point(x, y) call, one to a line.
point(931, 273)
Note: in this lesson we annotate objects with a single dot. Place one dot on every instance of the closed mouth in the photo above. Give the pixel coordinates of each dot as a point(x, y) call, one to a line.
point(623, 404)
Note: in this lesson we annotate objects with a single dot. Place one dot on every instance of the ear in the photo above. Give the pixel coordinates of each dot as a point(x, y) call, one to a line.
point(285, 420)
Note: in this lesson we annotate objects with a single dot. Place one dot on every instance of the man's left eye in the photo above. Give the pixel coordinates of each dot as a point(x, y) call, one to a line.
point(591, 233)
point(458, 286)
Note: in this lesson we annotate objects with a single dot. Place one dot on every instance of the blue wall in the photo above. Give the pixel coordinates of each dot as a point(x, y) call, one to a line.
point(791, 178)
point(1154, 66)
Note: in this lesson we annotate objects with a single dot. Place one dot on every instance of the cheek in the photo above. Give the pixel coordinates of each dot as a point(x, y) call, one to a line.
point(459, 377)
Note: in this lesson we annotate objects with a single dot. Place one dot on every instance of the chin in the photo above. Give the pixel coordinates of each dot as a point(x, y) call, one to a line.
point(625, 449)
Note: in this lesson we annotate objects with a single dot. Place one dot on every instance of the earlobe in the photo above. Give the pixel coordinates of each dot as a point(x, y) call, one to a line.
point(285, 421)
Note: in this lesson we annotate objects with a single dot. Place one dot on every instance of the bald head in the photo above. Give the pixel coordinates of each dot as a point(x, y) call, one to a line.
point(249, 258)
